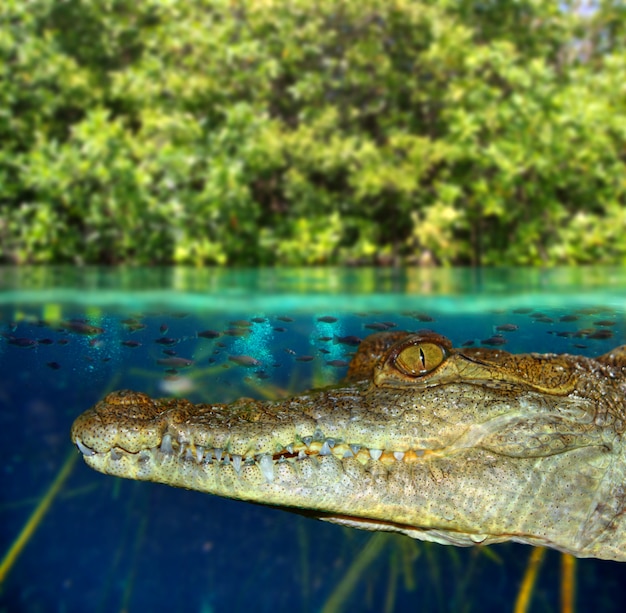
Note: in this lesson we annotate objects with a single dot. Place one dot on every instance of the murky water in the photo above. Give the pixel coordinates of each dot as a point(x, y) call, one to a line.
point(97, 543)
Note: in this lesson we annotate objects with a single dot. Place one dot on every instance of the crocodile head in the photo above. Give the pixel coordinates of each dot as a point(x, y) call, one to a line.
point(456, 446)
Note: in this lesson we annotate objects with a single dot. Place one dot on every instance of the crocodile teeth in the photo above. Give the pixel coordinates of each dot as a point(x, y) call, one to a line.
point(267, 467)
point(355, 449)
point(236, 462)
point(166, 444)
point(218, 454)
point(325, 450)
point(307, 440)
point(376, 453)
point(398, 455)
point(115, 455)
point(199, 453)
point(84, 449)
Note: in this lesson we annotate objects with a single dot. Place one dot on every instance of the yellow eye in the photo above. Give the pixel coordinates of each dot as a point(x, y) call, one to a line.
point(420, 359)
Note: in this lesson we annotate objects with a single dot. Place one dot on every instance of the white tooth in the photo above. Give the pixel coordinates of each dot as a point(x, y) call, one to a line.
point(267, 467)
point(289, 448)
point(355, 449)
point(182, 449)
point(226, 459)
point(144, 455)
point(236, 462)
point(325, 450)
point(419, 453)
point(376, 453)
point(398, 455)
point(208, 458)
point(301, 454)
point(331, 442)
point(218, 454)
point(115, 455)
point(307, 440)
point(199, 453)
point(84, 449)
point(166, 444)
point(189, 454)
point(348, 454)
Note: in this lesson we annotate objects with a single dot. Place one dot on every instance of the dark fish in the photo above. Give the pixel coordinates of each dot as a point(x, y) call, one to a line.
point(565, 333)
point(131, 344)
point(259, 320)
point(327, 319)
point(136, 327)
point(304, 358)
point(130, 321)
point(279, 329)
point(237, 332)
point(63, 341)
point(337, 363)
point(45, 341)
point(378, 326)
point(208, 334)
point(351, 341)
point(240, 323)
point(543, 319)
point(290, 351)
point(81, 327)
point(174, 362)
point(600, 334)
point(567, 318)
point(507, 327)
point(285, 319)
point(164, 340)
point(169, 352)
point(494, 340)
point(422, 317)
point(53, 365)
point(26, 343)
point(604, 322)
point(244, 360)
point(468, 344)
point(324, 339)
point(261, 374)
point(324, 351)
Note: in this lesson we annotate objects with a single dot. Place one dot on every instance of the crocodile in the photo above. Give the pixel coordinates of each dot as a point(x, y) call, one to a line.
point(457, 446)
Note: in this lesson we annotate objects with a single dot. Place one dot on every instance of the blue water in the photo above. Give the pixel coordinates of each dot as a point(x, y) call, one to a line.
point(68, 336)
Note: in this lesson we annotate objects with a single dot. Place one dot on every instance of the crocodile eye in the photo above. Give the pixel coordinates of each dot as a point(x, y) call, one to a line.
point(420, 359)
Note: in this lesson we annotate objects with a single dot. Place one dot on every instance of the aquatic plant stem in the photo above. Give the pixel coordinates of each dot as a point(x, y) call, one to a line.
point(528, 582)
point(568, 582)
point(38, 514)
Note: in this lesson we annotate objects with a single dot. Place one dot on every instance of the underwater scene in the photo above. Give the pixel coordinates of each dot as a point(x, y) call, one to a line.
point(72, 539)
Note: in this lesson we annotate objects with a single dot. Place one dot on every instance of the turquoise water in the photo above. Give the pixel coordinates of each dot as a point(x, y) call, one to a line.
point(68, 336)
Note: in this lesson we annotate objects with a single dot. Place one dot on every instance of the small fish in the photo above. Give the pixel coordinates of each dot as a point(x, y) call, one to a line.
point(337, 363)
point(237, 332)
point(169, 352)
point(327, 319)
point(63, 341)
point(163, 328)
point(565, 333)
point(290, 351)
point(604, 322)
point(244, 360)
point(468, 344)
point(45, 341)
point(379, 326)
point(285, 319)
point(136, 327)
point(81, 327)
point(600, 334)
point(423, 317)
point(304, 358)
point(507, 328)
point(324, 351)
point(175, 362)
point(324, 339)
point(240, 323)
point(279, 329)
point(164, 340)
point(53, 365)
point(131, 344)
point(350, 340)
point(208, 334)
point(259, 320)
point(494, 340)
point(567, 318)
point(26, 343)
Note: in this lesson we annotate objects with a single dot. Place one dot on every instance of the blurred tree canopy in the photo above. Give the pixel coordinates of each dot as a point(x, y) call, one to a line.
point(293, 132)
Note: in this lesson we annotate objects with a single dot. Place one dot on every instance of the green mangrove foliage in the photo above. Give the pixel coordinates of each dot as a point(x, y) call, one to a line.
point(312, 131)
